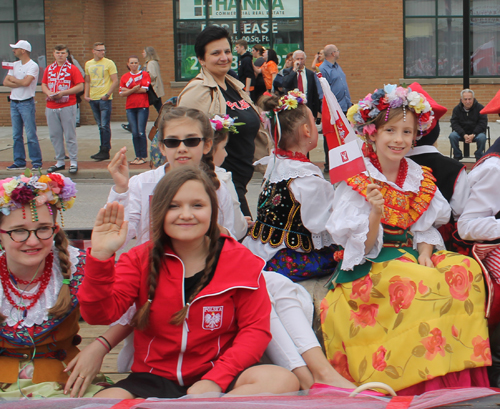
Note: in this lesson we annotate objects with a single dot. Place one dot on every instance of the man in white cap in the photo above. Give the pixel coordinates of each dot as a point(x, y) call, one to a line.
point(22, 78)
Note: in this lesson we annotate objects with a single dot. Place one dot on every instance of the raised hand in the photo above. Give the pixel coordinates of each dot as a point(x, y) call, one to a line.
point(110, 231)
point(118, 168)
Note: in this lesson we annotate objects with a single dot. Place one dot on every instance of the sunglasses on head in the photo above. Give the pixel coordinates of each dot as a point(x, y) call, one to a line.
point(188, 142)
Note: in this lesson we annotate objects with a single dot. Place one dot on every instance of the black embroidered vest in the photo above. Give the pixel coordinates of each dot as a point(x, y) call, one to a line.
point(278, 218)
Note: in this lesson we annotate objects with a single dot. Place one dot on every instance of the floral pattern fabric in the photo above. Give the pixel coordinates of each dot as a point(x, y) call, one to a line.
point(302, 266)
point(404, 323)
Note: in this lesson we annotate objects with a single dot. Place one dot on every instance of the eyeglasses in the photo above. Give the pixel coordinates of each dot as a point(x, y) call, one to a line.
point(21, 235)
point(104, 50)
point(188, 142)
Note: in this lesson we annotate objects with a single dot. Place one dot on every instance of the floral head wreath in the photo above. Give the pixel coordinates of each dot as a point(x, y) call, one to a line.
point(224, 124)
point(33, 190)
point(362, 114)
point(286, 103)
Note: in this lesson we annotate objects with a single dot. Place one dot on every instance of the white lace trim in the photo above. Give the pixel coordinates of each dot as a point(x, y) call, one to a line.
point(324, 239)
point(431, 236)
point(413, 179)
point(39, 313)
point(284, 169)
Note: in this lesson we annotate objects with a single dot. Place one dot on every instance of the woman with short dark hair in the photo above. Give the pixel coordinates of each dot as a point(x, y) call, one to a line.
point(213, 91)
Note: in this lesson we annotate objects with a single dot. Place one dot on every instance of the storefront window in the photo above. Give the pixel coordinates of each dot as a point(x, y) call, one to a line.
point(437, 25)
point(251, 20)
point(22, 20)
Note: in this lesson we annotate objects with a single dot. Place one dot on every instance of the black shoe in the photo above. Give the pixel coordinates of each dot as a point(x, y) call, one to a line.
point(78, 124)
point(55, 168)
point(102, 155)
point(459, 158)
point(73, 169)
point(127, 127)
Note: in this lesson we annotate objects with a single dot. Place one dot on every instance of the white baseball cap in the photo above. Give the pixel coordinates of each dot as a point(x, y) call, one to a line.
point(22, 44)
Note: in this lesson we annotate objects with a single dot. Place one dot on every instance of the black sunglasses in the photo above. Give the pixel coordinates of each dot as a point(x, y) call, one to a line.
point(188, 142)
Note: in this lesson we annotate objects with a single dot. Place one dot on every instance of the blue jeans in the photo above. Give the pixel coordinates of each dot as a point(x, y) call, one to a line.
point(137, 120)
point(102, 115)
point(480, 140)
point(23, 113)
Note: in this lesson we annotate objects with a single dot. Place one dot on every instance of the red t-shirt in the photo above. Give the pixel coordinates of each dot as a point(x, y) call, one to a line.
point(60, 80)
point(129, 81)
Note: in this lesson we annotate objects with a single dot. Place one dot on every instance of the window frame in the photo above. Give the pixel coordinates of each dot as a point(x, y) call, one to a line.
point(437, 18)
point(238, 19)
point(15, 21)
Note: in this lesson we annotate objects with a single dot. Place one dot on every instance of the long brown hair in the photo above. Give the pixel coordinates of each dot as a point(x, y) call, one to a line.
point(176, 113)
point(165, 191)
point(61, 242)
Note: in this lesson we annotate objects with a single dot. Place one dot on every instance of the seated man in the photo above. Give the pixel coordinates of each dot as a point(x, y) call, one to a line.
point(468, 125)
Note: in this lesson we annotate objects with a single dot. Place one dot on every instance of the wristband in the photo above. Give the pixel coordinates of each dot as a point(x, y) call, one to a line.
point(100, 337)
point(103, 344)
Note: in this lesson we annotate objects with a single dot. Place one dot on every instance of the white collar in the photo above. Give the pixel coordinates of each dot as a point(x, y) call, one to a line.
point(284, 169)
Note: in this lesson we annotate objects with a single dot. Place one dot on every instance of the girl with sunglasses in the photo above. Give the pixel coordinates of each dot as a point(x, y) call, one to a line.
point(40, 274)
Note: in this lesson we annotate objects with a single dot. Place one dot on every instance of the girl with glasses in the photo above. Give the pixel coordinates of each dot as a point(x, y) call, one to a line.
point(40, 275)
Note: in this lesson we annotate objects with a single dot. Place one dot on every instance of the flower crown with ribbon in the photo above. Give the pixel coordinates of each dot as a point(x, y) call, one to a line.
point(291, 101)
point(33, 190)
point(363, 114)
point(224, 123)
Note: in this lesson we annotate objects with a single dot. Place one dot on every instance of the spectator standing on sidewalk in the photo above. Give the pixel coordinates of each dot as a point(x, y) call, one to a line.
point(245, 65)
point(22, 78)
point(61, 82)
point(332, 72)
point(153, 68)
point(134, 86)
point(101, 80)
point(79, 95)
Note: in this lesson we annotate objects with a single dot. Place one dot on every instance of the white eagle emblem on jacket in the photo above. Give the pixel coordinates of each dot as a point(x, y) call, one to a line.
point(212, 318)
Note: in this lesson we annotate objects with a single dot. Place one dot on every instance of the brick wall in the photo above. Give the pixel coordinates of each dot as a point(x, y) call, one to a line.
point(371, 47)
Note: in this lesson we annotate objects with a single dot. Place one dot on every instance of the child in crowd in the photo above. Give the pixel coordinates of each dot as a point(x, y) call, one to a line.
point(134, 86)
point(186, 138)
point(398, 312)
point(202, 322)
point(222, 126)
point(41, 275)
point(296, 201)
point(480, 223)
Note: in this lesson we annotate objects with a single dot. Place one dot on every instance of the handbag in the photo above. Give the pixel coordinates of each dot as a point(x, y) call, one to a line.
point(152, 96)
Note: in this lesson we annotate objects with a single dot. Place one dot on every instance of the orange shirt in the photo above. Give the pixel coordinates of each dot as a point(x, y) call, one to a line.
point(268, 69)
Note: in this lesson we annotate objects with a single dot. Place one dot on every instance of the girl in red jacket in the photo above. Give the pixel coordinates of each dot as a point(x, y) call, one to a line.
point(202, 321)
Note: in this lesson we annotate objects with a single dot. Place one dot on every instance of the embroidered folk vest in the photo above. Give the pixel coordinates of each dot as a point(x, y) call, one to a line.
point(278, 218)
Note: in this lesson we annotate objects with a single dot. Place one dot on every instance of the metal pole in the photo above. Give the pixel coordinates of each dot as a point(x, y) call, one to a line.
point(466, 38)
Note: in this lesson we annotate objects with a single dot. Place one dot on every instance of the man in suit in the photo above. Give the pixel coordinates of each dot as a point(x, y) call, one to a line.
point(304, 79)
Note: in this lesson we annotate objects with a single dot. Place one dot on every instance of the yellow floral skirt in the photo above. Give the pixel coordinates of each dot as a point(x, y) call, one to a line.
point(404, 323)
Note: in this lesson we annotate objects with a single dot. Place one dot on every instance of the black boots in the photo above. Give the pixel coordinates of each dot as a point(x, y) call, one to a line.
point(103, 154)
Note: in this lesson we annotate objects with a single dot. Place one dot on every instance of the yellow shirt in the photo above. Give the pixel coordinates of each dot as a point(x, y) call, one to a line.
point(100, 73)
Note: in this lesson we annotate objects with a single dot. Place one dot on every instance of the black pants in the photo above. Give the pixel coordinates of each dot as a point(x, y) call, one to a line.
point(240, 184)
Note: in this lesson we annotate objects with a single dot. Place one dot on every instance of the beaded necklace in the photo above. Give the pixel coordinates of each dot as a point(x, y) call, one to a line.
point(291, 155)
point(402, 172)
point(10, 288)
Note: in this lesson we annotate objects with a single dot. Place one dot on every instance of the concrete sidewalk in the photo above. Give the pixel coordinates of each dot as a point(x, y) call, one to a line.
point(88, 144)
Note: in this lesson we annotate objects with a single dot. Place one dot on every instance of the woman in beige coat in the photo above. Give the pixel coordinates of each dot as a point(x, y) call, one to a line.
point(213, 91)
point(153, 68)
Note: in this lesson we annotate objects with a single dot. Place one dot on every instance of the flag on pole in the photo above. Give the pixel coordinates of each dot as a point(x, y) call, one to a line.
point(344, 153)
point(345, 161)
